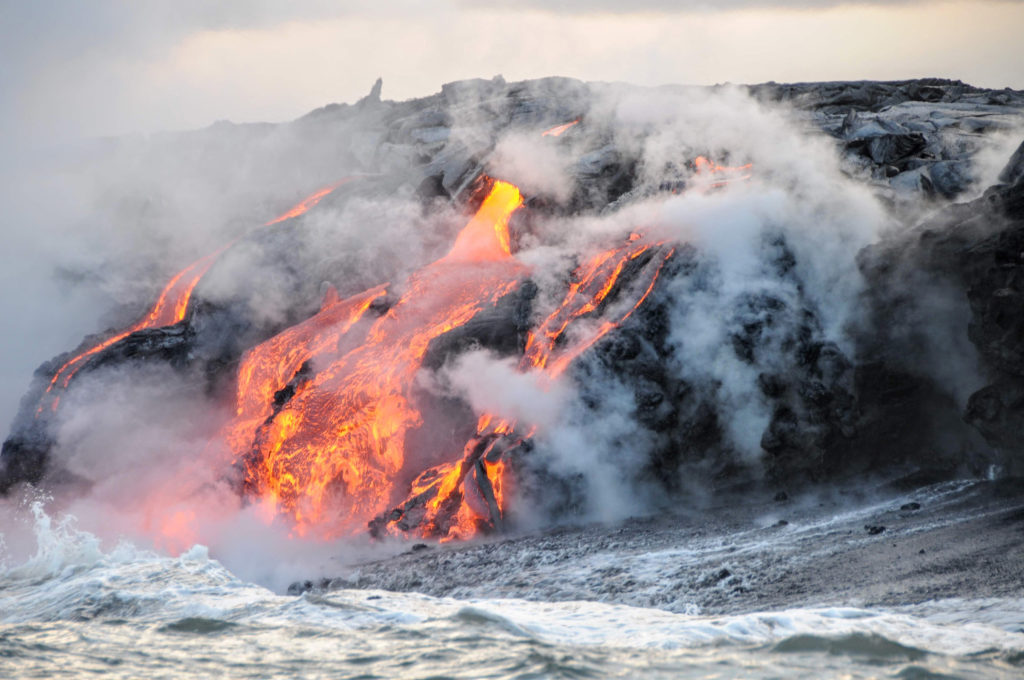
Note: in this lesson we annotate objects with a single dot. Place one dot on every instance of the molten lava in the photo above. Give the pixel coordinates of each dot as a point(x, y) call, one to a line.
point(169, 309)
point(595, 281)
point(171, 305)
point(330, 456)
point(720, 175)
point(268, 367)
point(443, 503)
point(303, 206)
point(559, 129)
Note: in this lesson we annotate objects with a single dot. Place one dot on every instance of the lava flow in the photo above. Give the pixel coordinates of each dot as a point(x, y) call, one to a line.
point(722, 174)
point(457, 500)
point(331, 454)
point(270, 366)
point(305, 204)
point(559, 129)
point(169, 309)
point(170, 306)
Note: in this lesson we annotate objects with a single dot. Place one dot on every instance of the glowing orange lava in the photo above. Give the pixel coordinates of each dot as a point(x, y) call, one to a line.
point(268, 367)
point(169, 309)
point(559, 129)
point(722, 174)
point(171, 305)
point(455, 500)
point(303, 206)
point(330, 456)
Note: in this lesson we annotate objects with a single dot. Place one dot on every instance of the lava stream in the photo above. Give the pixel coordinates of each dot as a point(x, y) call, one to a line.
point(303, 206)
point(559, 129)
point(442, 504)
point(721, 174)
point(172, 303)
point(270, 366)
point(169, 309)
point(331, 455)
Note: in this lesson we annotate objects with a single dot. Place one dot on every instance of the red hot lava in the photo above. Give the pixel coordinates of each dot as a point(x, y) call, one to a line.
point(559, 129)
point(720, 175)
point(329, 458)
point(323, 408)
point(458, 500)
point(170, 306)
point(331, 455)
point(303, 206)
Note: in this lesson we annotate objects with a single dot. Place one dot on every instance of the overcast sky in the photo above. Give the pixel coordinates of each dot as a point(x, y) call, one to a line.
point(116, 66)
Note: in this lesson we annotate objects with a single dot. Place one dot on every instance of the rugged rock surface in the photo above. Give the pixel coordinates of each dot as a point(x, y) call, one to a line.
point(912, 135)
point(974, 249)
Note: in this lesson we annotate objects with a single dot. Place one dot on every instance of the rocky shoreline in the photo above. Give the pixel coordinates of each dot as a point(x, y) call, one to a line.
point(870, 545)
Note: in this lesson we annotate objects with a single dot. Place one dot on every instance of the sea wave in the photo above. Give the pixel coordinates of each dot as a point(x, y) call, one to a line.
point(71, 590)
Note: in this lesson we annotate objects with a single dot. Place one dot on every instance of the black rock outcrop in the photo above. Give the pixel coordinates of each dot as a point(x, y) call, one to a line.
point(972, 255)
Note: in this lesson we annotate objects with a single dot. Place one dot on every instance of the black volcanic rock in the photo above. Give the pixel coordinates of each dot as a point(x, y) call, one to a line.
point(24, 458)
point(913, 136)
point(25, 453)
point(867, 95)
point(1013, 173)
point(975, 253)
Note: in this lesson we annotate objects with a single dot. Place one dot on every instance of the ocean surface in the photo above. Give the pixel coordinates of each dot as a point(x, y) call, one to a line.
point(75, 609)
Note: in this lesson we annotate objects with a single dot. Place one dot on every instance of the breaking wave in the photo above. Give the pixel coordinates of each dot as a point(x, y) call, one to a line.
point(73, 607)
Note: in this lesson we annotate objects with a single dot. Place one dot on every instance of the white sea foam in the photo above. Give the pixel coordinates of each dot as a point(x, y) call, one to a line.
point(620, 626)
point(70, 578)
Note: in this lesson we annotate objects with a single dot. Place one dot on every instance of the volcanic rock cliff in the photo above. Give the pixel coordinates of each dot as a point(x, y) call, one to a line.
point(940, 300)
point(974, 249)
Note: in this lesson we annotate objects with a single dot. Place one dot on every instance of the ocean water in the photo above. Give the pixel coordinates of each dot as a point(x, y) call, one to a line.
point(75, 609)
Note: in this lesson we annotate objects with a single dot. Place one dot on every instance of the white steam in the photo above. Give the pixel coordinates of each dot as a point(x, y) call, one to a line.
point(797, 193)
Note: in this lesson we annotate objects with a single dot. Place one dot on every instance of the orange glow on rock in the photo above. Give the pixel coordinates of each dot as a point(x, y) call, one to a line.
point(170, 308)
point(720, 175)
point(455, 500)
point(485, 238)
point(268, 367)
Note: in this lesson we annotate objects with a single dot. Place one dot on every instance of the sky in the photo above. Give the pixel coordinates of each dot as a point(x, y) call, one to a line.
point(112, 67)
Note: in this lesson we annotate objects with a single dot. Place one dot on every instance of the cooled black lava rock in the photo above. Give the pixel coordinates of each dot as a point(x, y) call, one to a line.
point(972, 257)
point(25, 453)
point(501, 329)
point(24, 458)
point(1013, 173)
point(865, 95)
point(880, 126)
